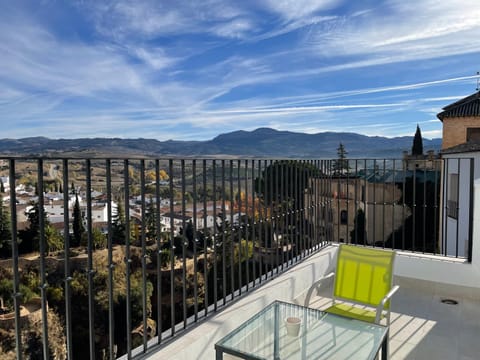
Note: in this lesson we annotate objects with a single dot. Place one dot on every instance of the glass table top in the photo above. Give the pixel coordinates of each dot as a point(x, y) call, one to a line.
point(321, 336)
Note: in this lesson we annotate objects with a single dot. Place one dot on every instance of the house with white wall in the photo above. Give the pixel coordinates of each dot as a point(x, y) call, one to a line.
point(461, 154)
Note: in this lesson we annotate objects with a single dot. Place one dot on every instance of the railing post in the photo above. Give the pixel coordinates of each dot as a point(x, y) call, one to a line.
point(16, 276)
point(43, 249)
point(68, 278)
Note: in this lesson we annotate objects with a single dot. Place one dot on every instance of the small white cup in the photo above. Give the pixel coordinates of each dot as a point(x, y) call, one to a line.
point(293, 325)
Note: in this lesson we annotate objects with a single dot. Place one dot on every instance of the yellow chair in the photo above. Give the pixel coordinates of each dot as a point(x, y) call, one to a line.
point(364, 276)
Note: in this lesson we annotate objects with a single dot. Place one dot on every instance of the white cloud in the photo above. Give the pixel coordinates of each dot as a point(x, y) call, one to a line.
point(148, 19)
point(295, 9)
point(432, 134)
point(154, 57)
point(236, 28)
point(405, 31)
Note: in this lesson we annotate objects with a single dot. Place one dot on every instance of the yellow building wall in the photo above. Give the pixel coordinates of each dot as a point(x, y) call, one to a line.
point(455, 130)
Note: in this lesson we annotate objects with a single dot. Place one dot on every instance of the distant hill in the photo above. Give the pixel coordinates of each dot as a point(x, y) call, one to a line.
point(262, 142)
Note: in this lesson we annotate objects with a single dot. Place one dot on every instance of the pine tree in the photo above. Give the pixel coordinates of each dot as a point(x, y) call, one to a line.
point(78, 228)
point(417, 148)
point(341, 166)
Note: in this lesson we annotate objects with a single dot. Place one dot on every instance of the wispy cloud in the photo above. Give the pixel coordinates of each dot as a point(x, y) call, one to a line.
point(289, 10)
point(431, 28)
point(148, 19)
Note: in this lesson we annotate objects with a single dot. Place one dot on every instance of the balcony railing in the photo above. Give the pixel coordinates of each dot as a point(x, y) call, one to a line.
point(100, 256)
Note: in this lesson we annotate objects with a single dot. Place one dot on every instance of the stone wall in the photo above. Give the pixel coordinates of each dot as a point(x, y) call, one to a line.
point(31, 310)
point(455, 130)
point(51, 264)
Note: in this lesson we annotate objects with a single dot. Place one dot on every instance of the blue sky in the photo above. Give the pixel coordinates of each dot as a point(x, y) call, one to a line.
point(190, 70)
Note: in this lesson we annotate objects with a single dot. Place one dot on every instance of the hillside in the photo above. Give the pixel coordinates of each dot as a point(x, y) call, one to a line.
point(262, 142)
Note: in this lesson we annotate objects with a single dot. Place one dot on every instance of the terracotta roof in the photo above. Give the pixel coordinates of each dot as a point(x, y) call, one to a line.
point(462, 148)
point(469, 106)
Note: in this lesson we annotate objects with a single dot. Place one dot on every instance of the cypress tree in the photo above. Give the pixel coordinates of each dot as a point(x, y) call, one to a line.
point(78, 228)
point(417, 148)
point(150, 221)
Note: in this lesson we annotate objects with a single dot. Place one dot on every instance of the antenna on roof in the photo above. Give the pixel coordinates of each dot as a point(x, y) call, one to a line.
point(478, 80)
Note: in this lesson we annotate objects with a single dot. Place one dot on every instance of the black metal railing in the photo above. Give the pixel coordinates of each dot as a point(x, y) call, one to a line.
point(109, 257)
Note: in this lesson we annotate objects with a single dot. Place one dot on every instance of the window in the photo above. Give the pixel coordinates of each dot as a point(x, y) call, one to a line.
point(343, 217)
point(473, 134)
point(452, 202)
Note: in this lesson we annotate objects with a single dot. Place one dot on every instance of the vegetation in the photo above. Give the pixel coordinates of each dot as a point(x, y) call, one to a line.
point(359, 234)
point(119, 225)
point(77, 224)
point(417, 147)
point(419, 231)
point(5, 231)
point(340, 166)
point(30, 237)
point(281, 187)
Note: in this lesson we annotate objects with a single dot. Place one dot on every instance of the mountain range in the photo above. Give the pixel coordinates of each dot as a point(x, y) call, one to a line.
point(262, 142)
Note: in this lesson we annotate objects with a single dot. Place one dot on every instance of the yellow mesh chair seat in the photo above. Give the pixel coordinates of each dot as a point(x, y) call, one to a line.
point(363, 275)
point(353, 311)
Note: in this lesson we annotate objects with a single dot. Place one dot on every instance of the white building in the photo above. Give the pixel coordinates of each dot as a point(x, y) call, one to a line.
point(55, 210)
point(461, 152)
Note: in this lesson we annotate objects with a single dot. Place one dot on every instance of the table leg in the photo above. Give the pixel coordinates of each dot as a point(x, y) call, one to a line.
point(218, 354)
point(276, 338)
point(385, 346)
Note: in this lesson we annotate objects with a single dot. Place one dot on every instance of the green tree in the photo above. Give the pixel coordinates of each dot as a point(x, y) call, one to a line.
point(31, 236)
point(281, 189)
point(418, 232)
point(99, 240)
point(78, 228)
point(54, 240)
point(5, 230)
point(119, 225)
point(340, 166)
point(358, 235)
point(417, 147)
point(150, 221)
point(284, 182)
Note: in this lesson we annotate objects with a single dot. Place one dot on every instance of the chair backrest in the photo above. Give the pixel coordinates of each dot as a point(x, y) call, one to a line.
point(363, 275)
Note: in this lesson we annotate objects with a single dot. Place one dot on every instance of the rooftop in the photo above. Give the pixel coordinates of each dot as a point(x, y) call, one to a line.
point(469, 106)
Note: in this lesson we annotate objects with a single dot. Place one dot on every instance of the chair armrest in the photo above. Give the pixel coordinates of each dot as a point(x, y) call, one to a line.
point(316, 285)
point(384, 301)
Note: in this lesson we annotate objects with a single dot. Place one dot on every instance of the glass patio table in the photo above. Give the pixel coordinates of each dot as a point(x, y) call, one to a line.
point(321, 336)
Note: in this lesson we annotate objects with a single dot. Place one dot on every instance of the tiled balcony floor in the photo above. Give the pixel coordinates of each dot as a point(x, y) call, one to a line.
point(423, 328)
